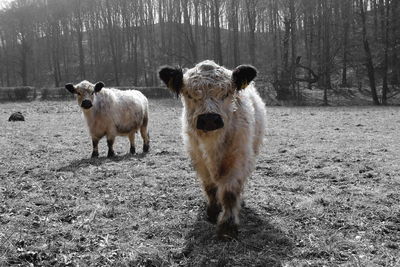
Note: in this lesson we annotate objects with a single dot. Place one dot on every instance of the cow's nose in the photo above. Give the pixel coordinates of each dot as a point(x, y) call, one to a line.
point(209, 122)
point(86, 104)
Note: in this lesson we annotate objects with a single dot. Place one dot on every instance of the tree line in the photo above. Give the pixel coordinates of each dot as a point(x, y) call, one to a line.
point(295, 44)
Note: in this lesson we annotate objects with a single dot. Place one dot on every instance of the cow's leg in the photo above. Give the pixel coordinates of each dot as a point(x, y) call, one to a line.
point(95, 143)
point(229, 196)
point(213, 207)
point(145, 135)
point(209, 186)
point(110, 143)
point(132, 141)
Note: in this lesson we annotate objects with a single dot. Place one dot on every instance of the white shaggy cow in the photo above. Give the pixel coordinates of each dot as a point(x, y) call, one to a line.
point(223, 125)
point(111, 112)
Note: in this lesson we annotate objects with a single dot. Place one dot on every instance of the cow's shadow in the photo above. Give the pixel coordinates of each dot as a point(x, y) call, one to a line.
point(259, 243)
point(85, 162)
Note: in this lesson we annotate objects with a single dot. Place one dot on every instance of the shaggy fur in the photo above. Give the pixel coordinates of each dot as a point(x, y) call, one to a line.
point(113, 113)
point(225, 157)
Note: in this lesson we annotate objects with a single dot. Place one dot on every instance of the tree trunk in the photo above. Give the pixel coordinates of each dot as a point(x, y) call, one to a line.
point(368, 56)
point(235, 22)
point(293, 26)
point(251, 18)
point(112, 40)
point(374, 6)
point(54, 48)
point(135, 59)
point(326, 49)
point(319, 42)
point(283, 84)
point(24, 60)
point(384, 9)
point(274, 23)
point(6, 59)
point(346, 26)
point(217, 33)
point(78, 27)
point(308, 40)
point(395, 62)
point(189, 32)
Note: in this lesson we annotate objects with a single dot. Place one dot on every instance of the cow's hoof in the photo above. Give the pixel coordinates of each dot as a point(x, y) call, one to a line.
point(133, 150)
point(227, 230)
point(110, 154)
point(212, 213)
point(95, 154)
point(146, 148)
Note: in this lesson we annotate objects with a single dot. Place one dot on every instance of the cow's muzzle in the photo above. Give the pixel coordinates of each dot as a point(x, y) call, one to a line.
point(86, 104)
point(209, 122)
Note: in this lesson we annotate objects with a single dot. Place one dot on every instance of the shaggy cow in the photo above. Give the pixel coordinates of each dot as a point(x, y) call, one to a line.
point(223, 127)
point(111, 112)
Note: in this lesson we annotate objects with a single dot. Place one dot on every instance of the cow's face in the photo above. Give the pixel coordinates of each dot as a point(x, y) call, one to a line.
point(85, 92)
point(208, 92)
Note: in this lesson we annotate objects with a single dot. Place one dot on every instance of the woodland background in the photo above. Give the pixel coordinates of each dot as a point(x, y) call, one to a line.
point(296, 45)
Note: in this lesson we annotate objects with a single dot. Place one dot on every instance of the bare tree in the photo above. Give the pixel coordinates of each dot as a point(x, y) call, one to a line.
point(368, 56)
point(78, 24)
point(384, 12)
point(215, 15)
point(251, 6)
point(346, 8)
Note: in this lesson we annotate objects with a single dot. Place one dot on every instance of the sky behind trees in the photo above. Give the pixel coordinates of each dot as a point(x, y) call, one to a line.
point(318, 43)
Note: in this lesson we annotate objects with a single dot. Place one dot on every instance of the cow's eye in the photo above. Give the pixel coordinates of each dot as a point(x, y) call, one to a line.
point(189, 96)
point(78, 93)
point(225, 96)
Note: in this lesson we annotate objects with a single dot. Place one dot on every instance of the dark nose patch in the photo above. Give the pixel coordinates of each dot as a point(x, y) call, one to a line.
point(209, 122)
point(86, 104)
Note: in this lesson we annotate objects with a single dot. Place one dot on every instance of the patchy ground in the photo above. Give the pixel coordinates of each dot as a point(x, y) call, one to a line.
point(325, 192)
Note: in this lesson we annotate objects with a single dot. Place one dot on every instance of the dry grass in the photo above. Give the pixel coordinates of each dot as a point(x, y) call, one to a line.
point(325, 192)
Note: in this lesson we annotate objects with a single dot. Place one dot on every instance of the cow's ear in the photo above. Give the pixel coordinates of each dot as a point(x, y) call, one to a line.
point(243, 75)
point(98, 86)
point(70, 87)
point(172, 77)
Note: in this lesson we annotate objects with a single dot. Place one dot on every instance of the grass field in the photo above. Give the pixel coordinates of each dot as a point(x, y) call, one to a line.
point(326, 192)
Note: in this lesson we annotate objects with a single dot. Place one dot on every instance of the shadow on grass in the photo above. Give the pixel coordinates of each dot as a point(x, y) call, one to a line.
point(79, 163)
point(259, 244)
